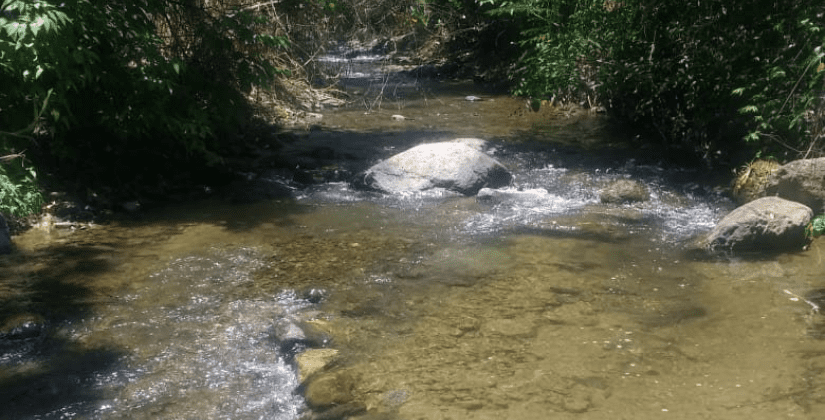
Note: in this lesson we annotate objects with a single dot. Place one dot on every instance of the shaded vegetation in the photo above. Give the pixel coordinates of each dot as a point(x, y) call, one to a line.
point(128, 89)
point(140, 97)
point(702, 76)
point(19, 193)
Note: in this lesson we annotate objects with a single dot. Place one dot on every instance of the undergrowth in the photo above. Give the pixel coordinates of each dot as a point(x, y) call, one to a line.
point(19, 192)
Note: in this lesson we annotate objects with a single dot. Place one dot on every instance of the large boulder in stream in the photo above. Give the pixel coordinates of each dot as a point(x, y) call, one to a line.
point(765, 224)
point(459, 166)
point(802, 181)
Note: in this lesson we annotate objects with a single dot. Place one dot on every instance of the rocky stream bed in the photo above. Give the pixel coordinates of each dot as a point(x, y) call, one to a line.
point(573, 291)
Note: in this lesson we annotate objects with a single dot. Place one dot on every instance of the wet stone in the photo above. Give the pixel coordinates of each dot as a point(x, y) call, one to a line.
point(768, 223)
point(624, 191)
point(468, 324)
point(344, 411)
point(509, 327)
point(578, 400)
point(314, 360)
point(329, 389)
point(453, 166)
point(22, 326)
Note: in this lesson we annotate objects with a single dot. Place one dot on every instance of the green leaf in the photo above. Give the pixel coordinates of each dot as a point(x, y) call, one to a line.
point(749, 109)
point(776, 72)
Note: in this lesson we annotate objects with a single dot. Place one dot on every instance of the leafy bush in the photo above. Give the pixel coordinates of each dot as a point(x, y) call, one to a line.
point(124, 83)
point(19, 193)
point(563, 43)
point(704, 75)
point(699, 75)
point(816, 227)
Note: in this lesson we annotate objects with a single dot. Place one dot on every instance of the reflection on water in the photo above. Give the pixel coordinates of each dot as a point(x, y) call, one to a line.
point(533, 301)
point(203, 320)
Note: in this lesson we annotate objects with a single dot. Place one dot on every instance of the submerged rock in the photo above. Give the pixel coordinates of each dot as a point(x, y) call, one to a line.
point(331, 389)
point(624, 191)
point(314, 360)
point(492, 197)
point(22, 326)
point(457, 166)
point(768, 223)
point(802, 181)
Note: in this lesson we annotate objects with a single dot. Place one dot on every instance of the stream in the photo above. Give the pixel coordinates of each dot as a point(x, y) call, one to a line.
point(538, 301)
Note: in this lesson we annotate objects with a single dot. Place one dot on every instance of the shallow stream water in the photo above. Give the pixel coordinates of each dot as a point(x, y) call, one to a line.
point(541, 303)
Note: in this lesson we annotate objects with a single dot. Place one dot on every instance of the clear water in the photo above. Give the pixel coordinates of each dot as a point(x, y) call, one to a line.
point(540, 303)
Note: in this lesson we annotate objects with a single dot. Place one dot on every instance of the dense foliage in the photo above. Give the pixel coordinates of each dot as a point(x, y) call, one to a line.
point(701, 75)
point(129, 92)
point(129, 86)
point(19, 194)
point(140, 87)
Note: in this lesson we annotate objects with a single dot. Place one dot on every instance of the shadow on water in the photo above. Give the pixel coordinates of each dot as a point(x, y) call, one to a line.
point(225, 213)
point(440, 307)
point(45, 373)
point(51, 365)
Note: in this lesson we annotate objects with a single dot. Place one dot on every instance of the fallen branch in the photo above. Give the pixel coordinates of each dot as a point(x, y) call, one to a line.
point(261, 4)
point(13, 156)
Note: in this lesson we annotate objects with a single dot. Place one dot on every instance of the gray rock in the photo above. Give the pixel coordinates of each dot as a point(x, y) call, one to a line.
point(454, 166)
point(802, 181)
point(5, 237)
point(765, 224)
point(624, 191)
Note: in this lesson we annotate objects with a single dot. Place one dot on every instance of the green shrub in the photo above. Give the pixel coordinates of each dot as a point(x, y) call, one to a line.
point(19, 193)
point(142, 70)
point(816, 227)
point(705, 75)
point(564, 43)
point(130, 84)
point(698, 75)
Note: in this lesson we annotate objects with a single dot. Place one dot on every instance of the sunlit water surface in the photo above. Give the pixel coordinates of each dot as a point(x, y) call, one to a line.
point(541, 302)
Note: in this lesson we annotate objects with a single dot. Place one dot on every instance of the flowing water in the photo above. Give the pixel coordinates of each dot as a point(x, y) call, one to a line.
point(536, 301)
